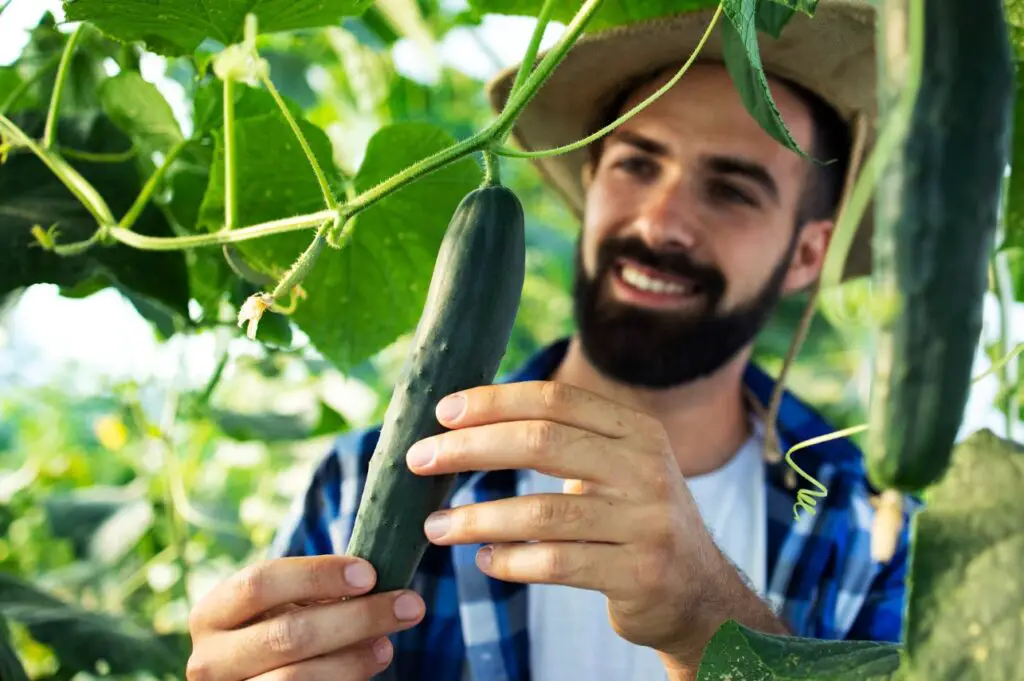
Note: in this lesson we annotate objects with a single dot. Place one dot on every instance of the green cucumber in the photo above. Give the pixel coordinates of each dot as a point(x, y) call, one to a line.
point(461, 337)
point(936, 214)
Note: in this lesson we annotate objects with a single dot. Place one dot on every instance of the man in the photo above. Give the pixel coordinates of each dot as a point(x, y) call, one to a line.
point(614, 507)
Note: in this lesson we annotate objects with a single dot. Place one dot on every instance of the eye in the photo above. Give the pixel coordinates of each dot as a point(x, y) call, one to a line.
point(728, 192)
point(639, 166)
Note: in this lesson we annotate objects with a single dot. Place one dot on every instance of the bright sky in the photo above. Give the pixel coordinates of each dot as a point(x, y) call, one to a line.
point(104, 335)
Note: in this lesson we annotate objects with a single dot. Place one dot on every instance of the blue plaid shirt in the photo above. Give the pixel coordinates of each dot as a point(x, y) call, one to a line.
point(821, 579)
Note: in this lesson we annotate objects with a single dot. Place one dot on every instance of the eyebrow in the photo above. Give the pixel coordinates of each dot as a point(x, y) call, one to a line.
point(721, 165)
point(755, 172)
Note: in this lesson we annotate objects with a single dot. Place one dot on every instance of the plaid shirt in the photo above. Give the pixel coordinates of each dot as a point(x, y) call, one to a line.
point(821, 579)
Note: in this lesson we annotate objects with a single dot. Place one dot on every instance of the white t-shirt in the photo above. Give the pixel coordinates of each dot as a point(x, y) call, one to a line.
point(571, 636)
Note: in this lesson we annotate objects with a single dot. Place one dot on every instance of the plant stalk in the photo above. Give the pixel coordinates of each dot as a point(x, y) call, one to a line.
point(58, 86)
point(158, 243)
point(230, 157)
point(321, 178)
point(526, 66)
point(129, 219)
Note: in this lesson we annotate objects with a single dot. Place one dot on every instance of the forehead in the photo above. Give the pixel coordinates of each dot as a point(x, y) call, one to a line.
point(704, 110)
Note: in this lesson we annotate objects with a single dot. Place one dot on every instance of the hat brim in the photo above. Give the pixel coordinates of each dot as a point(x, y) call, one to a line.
point(831, 54)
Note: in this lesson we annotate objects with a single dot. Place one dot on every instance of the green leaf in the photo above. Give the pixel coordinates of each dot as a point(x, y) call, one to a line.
point(966, 603)
point(10, 663)
point(137, 107)
point(31, 195)
point(611, 13)
point(773, 16)
point(742, 58)
point(736, 652)
point(806, 6)
point(275, 427)
point(372, 291)
point(177, 27)
point(81, 638)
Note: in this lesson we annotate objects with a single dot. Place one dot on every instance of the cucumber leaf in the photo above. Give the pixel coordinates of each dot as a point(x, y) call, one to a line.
point(772, 17)
point(736, 652)
point(177, 27)
point(966, 603)
point(743, 61)
point(31, 195)
point(137, 107)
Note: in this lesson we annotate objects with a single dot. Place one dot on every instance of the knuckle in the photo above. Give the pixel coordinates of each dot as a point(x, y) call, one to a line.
point(288, 634)
point(250, 583)
point(540, 436)
point(556, 566)
point(541, 513)
point(555, 396)
point(197, 669)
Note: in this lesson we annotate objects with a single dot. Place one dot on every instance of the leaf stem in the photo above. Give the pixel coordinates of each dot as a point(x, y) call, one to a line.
point(230, 157)
point(518, 101)
point(325, 186)
point(544, 153)
point(543, 18)
point(77, 184)
point(58, 86)
point(157, 243)
point(98, 157)
point(128, 221)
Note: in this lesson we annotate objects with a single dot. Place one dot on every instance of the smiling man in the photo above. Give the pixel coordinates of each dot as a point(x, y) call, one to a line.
point(615, 504)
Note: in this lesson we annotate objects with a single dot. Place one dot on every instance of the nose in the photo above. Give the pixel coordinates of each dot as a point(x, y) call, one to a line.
point(666, 220)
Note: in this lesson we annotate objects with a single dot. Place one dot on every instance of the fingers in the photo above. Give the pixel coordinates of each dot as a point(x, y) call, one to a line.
point(354, 664)
point(598, 567)
point(526, 400)
point(545, 446)
point(267, 585)
point(304, 634)
point(541, 517)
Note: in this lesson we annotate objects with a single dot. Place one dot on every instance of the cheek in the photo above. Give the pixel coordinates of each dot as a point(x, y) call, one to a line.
point(747, 259)
point(606, 210)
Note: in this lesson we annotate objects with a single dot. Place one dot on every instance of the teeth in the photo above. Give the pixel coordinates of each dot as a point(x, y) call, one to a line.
point(644, 283)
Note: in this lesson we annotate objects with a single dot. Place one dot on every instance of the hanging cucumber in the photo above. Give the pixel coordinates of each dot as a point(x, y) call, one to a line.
point(460, 340)
point(935, 220)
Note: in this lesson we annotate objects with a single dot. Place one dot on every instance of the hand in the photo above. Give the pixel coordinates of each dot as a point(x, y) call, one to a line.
point(627, 525)
point(285, 619)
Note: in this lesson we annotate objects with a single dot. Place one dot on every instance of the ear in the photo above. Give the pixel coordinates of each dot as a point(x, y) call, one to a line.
point(809, 254)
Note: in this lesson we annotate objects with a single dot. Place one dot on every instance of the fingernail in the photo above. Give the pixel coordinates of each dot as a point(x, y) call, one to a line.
point(420, 454)
point(382, 650)
point(437, 525)
point(450, 408)
point(359, 575)
point(483, 559)
point(407, 607)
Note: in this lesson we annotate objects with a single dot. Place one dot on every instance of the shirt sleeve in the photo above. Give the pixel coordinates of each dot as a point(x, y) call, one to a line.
point(882, 615)
point(320, 519)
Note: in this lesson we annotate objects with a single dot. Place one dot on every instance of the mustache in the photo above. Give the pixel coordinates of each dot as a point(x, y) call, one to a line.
point(709, 279)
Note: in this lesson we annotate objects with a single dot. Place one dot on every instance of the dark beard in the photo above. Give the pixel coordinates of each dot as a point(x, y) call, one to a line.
point(660, 349)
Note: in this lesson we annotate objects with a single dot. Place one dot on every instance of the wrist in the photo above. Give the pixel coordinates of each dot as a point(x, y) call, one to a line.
point(724, 596)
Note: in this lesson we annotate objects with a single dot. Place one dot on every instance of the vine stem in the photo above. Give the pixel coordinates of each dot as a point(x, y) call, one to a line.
point(98, 157)
point(128, 221)
point(58, 86)
point(230, 155)
point(78, 185)
point(325, 186)
point(543, 18)
point(158, 243)
point(505, 151)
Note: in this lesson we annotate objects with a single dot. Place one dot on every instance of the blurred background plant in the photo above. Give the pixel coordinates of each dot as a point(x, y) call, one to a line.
point(141, 462)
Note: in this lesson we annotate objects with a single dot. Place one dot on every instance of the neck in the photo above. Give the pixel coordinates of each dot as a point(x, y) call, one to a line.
point(685, 411)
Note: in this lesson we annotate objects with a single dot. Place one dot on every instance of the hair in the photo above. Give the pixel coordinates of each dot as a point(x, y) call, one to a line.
point(830, 146)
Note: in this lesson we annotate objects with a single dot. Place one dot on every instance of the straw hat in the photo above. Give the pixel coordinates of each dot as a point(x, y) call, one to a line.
point(831, 54)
